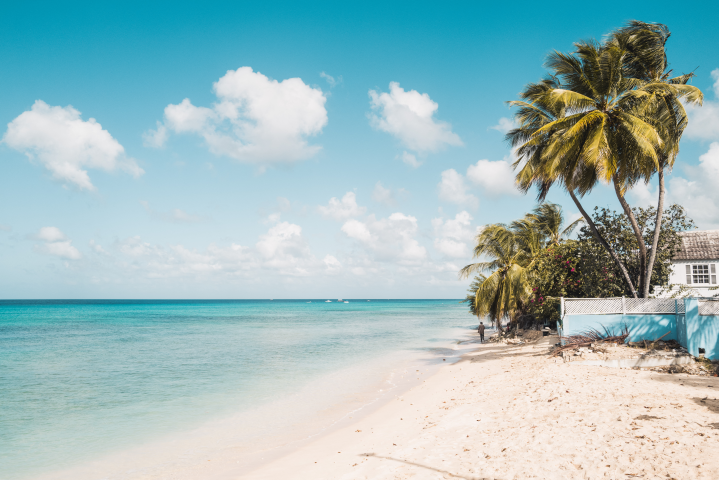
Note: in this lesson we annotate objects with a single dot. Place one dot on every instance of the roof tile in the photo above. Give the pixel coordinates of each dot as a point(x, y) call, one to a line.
point(699, 245)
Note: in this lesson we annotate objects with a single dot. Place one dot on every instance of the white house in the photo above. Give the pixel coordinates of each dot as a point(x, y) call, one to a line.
point(694, 267)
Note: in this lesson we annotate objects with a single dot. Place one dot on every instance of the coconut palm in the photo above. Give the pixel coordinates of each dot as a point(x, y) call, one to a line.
point(662, 106)
point(549, 220)
point(534, 112)
point(599, 118)
point(501, 290)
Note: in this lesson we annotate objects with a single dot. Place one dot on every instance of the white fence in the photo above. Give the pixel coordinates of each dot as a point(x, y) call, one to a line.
point(709, 307)
point(623, 306)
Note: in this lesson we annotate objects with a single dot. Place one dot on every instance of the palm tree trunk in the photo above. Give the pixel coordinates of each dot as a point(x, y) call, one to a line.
point(657, 229)
point(604, 243)
point(637, 234)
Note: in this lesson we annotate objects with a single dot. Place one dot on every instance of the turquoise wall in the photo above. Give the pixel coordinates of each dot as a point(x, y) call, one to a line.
point(692, 331)
point(641, 327)
point(702, 331)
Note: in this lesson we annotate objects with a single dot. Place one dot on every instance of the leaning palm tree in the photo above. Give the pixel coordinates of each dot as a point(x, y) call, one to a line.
point(535, 111)
point(593, 121)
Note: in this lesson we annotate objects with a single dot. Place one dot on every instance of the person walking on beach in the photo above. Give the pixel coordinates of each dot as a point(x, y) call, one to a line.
point(480, 330)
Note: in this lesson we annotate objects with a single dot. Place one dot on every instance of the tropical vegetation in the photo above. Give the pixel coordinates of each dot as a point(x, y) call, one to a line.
point(531, 263)
point(609, 112)
point(501, 290)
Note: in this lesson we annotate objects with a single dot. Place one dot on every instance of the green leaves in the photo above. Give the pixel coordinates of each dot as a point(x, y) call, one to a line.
point(608, 112)
point(502, 288)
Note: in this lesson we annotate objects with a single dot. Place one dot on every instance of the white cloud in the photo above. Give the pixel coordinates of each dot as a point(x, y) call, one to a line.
point(408, 115)
point(495, 178)
point(156, 138)
point(699, 194)
point(284, 204)
point(98, 248)
point(255, 119)
point(56, 243)
point(283, 248)
point(67, 146)
point(5, 228)
point(704, 120)
point(505, 124)
point(453, 189)
point(332, 81)
point(388, 239)
point(383, 195)
point(51, 234)
point(409, 159)
point(342, 209)
point(454, 237)
point(332, 265)
point(173, 216)
point(643, 195)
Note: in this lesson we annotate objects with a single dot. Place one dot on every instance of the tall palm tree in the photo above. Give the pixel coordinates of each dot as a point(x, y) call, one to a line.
point(598, 119)
point(662, 106)
point(535, 111)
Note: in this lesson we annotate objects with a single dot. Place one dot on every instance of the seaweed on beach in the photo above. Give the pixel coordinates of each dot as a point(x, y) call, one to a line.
point(592, 336)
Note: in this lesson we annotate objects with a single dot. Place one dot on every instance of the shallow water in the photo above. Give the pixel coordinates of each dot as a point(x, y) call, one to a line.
point(80, 380)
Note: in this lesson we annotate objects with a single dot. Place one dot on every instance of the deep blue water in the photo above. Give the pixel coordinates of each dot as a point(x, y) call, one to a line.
point(82, 378)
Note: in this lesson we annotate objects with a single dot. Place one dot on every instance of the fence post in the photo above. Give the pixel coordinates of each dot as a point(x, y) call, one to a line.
point(624, 306)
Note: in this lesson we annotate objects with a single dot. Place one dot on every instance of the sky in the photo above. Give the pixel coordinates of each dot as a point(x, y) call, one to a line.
point(290, 149)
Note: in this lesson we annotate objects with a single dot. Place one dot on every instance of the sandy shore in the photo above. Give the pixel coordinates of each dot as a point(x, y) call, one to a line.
point(507, 412)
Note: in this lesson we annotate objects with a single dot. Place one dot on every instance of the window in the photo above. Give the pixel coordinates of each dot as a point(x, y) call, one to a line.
point(697, 274)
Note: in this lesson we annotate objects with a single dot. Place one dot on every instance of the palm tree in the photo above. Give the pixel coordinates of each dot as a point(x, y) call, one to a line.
point(501, 293)
point(548, 218)
point(662, 107)
point(509, 251)
point(534, 112)
point(599, 119)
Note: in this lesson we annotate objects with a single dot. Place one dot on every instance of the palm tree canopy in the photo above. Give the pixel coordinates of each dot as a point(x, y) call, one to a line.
point(506, 252)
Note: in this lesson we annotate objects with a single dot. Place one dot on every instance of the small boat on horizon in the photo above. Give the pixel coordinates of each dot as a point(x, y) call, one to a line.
point(346, 301)
point(328, 301)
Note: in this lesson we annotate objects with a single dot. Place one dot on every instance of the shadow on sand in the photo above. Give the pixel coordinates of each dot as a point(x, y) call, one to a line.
point(426, 467)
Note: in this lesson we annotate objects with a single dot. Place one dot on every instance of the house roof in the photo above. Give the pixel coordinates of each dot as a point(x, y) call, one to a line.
point(699, 245)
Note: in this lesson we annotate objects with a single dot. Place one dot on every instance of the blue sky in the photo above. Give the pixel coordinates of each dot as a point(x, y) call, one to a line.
point(394, 110)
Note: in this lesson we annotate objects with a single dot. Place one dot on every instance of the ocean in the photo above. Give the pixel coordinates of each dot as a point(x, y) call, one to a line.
point(118, 389)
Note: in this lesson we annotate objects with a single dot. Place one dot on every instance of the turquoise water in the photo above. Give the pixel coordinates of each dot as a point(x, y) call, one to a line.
point(81, 379)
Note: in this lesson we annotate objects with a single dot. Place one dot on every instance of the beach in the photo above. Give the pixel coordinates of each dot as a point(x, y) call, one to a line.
point(512, 412)
point(132, 389)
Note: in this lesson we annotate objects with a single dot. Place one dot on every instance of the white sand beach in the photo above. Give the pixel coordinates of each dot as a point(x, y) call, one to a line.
point(511, 412)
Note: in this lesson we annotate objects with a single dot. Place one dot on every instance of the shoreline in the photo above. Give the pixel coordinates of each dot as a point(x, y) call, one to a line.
point(221, 448)
point(511, 412)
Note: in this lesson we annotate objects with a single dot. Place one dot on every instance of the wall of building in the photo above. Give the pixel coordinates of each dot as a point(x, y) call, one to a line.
point(641, 327)
point(691, 330)
point(702, 331)
point(678, 276)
